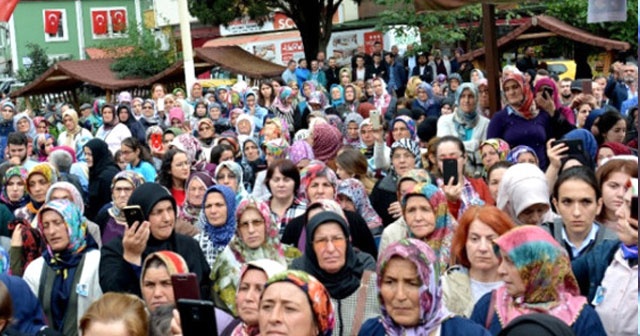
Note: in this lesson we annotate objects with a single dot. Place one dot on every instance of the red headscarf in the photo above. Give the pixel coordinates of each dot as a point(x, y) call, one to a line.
point(525, 109)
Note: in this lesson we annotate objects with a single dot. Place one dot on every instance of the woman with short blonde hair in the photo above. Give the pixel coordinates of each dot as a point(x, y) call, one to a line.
point(119, 314)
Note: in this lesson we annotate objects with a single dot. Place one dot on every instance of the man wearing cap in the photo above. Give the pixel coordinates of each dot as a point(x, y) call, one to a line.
point(121, 259)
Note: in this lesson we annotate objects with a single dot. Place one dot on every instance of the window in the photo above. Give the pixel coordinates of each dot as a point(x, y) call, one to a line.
point(55, 25)
point(108, 22)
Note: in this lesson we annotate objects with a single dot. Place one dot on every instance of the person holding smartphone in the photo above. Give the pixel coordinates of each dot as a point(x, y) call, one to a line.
point(121, 261)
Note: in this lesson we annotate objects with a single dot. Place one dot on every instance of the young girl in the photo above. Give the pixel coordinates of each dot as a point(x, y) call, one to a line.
point(138, 159)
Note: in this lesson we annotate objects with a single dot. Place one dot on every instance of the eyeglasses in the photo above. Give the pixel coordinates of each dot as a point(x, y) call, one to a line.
point(254, 222)
point(337, 241)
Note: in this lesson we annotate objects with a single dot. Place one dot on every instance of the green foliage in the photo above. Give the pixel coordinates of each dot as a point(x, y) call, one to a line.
point(39, 63)
point(138, 55)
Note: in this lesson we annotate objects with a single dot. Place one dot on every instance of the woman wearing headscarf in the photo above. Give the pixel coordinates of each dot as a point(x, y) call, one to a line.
point(336, 98)
point(273, 150)
point(410, 295)
point(610, 149)
point(426, 101)
point(67, 191)
point(353, 197)
point(352, 98)
point(112, 132)
point(402, 127)
point(65, 278)
point(523, 154)
point(548, 83)
point(22, 123)
point(523, 122)
point(302, 290)
point(40, 178)
point(405, 155)
point(102, 169)
point(283, 107)
point(126, 117)
point(111, 217)
point(229, 173)
point(217, 221)
point(382, 100)
point(327, 140)
point(538, 279)
point(8, 110)
point(43, 145)
point(244, 127)
point(252, 160)
point(73, 130)
point(492, 151)
point(352, 129)
point(466, 124)
point(251, 108)
point(197, 184)
point(524, 195)
point(14, 191)
point(256, 237)
point(319, 183)
point(330, 257)
point(149, 118)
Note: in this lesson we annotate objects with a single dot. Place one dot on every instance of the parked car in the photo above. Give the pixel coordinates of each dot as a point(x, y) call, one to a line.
point(561, 67)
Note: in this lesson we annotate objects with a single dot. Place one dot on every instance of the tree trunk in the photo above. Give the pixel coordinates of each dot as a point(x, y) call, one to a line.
point(308, 19)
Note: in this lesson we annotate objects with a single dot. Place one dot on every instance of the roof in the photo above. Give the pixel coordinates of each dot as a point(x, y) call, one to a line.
point(239, 61)
point(555, 27)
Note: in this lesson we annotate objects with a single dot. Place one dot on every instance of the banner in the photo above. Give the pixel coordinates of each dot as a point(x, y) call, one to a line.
point(119, 20)
point(99, 22)
point(6, 9)
point(51, 21)
point(607, 11)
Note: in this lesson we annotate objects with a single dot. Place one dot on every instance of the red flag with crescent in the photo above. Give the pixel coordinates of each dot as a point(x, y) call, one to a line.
point(119, 20)
point(6, 9)
point(51, 21)
point(99, 22)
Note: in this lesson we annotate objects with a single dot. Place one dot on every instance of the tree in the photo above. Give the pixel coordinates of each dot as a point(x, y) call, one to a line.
point(313, 18)
point(39, 64)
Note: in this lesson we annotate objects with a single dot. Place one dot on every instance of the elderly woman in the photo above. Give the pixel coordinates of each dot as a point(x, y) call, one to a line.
point(330, 257)
point(22, 123)
point(411, 297)
point(426, 101)
point(353, 197)
point(523, 122)
point(405, 155)
point(315, 317)
point(229, 173)
point(197, 185)
point(319, 182)
point(111, 218)
point(467, 125)
point(256, 237)
point(523, 154)
point(65, 277)
point(531, 257)
point(217, 222)
point(492, 151)
point(523, 194)
point(476, 266)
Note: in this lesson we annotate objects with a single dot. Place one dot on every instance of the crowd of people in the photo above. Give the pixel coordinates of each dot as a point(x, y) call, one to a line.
point(378, 198)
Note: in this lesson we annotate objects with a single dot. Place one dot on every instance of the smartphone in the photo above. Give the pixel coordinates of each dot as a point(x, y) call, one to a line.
point(156, 141)
point(575, 145)
point(374, 115)
point(449, 170)
point(197, 317)
point(185, 286)
point(160, 104)
point(133, 213)
point(547, 92)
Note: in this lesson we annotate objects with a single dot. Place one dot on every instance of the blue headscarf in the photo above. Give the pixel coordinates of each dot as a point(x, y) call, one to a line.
point(336, 102)
point(588, 140)
point(592, 118)
point(515, 153)
point(220, 236)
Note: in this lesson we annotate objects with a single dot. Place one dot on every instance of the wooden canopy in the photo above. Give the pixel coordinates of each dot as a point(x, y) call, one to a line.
point(239, 61)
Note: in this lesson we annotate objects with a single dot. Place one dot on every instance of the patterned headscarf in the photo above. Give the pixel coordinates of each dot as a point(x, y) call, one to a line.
point(314, 170)
point(299, 151)
point(4, 260)
point(75, 221)
point(411, 146)
point(462, 120)
point(515, 153)
point(11, 172)
point(135, 179)
point(270, 248)
point(318, 296)
point(527, 108)
point(188, 144)
point(354, 190)
point(281, 100)
point(76, 197)
point(220, 236)
point(173, 262)
point(432, 310)
point(416, 175)
point(277, 148)
point(410, 123)
point(440, 239)
point(39, 149)
point(45, 169)
point(327, 140)
point(236, 169)
point(352, 117)
point(545, 269)
point(500, 146)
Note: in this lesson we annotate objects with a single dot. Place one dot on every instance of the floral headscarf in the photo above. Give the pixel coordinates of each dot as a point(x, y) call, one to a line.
point(515, 153)
point(440, 239)
point(236, 169)
point(281, 100)
point(39, 150)
point(299, 151)
point(45, 169)
point(277, 148)
point(544, 267)
point(318, 296)
point(270, 248)
point(31, 133)
point(462, 120)
point(432, 310)
point(426, 87)
point(499, 145)
point(76, 197)
point(220, 236)
point(355, 191)
point(188, 144)
point(327, 140)
point(527, 109)
point(314, 170)
point(75, 221)
point(382, 102)
point(352, 117)
point(11, 172)
point(410, 123)
point(411, 146)
point(135, 179)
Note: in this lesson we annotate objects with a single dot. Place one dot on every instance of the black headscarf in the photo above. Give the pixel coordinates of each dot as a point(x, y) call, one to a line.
point(537, 324)
point(102, 157)
point(346, 281)
point(147, 196)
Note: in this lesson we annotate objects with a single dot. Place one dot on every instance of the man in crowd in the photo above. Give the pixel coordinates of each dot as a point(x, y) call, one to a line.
point(317, 74)
point(332, 73)
point(528, 61)
point(566, 97)
point(289, 73)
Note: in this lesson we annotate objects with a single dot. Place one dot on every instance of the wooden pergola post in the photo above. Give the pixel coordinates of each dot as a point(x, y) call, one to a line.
point(492, 63)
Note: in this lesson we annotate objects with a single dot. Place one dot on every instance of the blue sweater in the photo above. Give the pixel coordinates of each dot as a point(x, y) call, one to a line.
point(587, 324)
point(455, 326)
point(28, 317)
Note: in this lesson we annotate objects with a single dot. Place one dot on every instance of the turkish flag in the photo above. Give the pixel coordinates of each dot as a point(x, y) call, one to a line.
point(119, 20)
point(6, 9)
point(99, 22)
point(51, 21)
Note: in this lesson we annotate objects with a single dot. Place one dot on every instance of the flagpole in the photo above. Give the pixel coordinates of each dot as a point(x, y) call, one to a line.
point(187, 48)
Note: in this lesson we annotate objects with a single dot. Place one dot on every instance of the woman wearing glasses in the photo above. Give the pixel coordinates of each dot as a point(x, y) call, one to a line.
point(256, 237)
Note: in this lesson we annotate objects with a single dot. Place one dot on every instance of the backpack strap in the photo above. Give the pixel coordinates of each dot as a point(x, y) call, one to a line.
point(361, 302)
